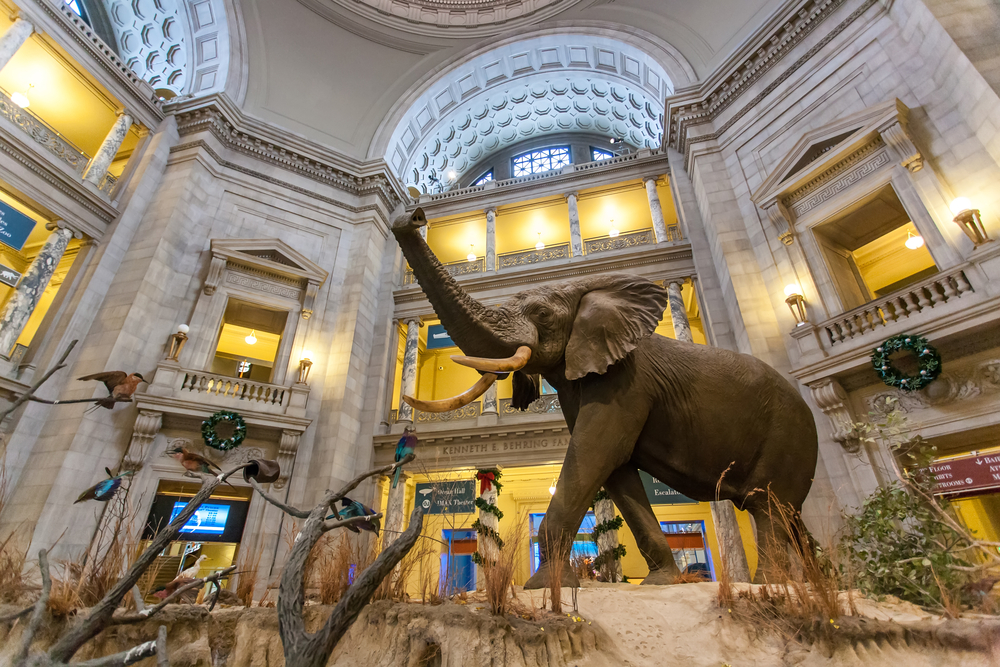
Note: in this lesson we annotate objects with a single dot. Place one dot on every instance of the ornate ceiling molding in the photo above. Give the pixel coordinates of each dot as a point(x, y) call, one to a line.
point(530, 88)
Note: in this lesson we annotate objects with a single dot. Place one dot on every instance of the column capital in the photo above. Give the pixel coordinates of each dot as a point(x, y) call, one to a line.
point(53, 225)
point(490, 209)
point(654, 178)
point(574, 194)
point(414, 320)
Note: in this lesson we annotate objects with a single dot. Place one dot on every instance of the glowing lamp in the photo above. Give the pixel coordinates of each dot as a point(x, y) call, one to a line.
point(451, 174)
point(969, 220)
point(541, 244)
point(305, 363)
point(472, 253)
point(913, 241)
point(613, 232)
point(792, 289)
point(796, 303)
point(177, 341)
point(183, 328)
point(21, 99)
point(959, 204)
point(251, 339)
point(552, 489)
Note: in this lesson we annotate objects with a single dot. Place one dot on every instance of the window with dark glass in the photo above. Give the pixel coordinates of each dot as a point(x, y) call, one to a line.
point(600, 154)
point(485, 178)
point(541, 160)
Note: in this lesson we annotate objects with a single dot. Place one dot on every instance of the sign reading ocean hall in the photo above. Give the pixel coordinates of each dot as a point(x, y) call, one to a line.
point(14, 227)
point(447, 497)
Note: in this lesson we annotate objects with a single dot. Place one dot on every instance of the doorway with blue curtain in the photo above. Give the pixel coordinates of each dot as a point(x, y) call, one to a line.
point(458, 570)
point(583, 545)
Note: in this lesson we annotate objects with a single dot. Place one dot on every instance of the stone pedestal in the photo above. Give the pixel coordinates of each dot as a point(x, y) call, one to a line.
point(656, 210)
point(12, 40)
point(408, 386)
point(27, 293)
point(576, 240)
point(491, 240)
point(100, 163)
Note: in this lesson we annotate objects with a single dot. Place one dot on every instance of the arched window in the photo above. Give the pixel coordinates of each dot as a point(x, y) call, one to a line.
point(543, 159)
point(77, 9)
point(485, 178)
point(597, 154)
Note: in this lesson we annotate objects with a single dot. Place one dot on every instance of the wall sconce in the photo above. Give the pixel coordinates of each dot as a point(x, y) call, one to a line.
point(177, 341)
point(541, 244)
point(613, 232)
point(305, 363)
point(796, 303)
point(552, 489)
point(969, 220)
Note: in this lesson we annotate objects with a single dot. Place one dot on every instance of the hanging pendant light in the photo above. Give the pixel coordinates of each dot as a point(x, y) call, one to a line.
point(21, 99)
point(613, 232)
point(472, 253)
point(541, 244)
point(251, 339)
point(913, 241)
point(552, 489)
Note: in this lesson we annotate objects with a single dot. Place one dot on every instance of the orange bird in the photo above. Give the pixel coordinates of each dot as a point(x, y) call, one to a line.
point(193, 462)
point(122, 386)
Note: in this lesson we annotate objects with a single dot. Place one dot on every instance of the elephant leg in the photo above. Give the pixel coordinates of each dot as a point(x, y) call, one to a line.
point(772, 547)
point(626, 490)
point(603, 440)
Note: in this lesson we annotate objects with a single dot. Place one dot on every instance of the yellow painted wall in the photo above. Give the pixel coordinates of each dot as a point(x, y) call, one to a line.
point(666, 201)
point(450, 238)
point(63, 94)
point(626, 203)
point(981, 515)
point(518, 224)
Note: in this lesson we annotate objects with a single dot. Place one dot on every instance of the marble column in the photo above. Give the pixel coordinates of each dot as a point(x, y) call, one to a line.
point(604, 510)
point(395, 510)
point(576, 240)
point(100, 163)
point(408, 386)
point(490, 400)
point(678, 313)
point(22, 302)
point(12, 40)
point(656, 210)
point(491, 240)
point(486, 546)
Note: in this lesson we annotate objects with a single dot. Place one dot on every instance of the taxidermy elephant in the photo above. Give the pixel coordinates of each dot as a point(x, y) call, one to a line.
point(682, 412)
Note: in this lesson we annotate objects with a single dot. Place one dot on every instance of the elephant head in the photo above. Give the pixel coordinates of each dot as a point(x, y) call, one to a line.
point(586, 325)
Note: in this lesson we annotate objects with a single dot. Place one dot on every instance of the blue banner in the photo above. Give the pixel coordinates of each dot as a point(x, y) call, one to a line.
point(437, 337)
point(15, 227)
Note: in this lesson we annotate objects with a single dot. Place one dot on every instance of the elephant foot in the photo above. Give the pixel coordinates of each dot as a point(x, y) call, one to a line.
point(661, 577)
point(540, 579)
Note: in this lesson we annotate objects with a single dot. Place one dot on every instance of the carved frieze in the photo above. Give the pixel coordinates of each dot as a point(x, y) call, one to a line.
point(838, 178)
point(950, 388)
point(252, 283)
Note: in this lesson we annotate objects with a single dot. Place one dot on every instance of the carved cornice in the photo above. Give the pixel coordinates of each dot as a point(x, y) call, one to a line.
point(705, 103)
point(273, 146)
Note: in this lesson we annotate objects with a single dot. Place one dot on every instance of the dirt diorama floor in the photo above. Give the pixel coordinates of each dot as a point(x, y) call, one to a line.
point(615, 625)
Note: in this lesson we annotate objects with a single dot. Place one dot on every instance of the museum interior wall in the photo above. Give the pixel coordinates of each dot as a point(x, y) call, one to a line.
point(209, 203)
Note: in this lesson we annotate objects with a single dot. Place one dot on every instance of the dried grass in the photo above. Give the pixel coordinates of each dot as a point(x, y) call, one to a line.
point(498, 577)
point(558, 561)
point(248, 567)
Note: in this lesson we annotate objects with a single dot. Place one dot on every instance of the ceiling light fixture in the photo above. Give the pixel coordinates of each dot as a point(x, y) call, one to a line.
point(472, 252)
point(613, 232)
point(913, 241)
point(451, 174)
point(251, 339)
point(21, 99)
point(541, 244)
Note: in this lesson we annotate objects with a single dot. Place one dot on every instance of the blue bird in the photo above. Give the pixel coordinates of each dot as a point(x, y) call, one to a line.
point(405, 446)
point(105, 489)
point(352, 508)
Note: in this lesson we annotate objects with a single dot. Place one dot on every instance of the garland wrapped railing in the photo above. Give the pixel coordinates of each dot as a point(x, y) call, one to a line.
point(489, 542)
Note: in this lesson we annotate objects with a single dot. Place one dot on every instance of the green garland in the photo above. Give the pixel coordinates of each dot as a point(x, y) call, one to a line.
point(611, 524)
point(212, 438)
point(614, 554)
point(927, 356)
point(601, 495)
point(483, 529)
point(486, 507)
point(496, 477)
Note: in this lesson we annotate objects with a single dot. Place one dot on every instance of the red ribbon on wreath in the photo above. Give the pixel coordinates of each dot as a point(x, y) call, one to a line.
point(485, 481)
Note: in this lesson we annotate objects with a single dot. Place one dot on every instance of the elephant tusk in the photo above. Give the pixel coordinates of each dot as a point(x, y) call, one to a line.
point(515, 363)
point(455, 402)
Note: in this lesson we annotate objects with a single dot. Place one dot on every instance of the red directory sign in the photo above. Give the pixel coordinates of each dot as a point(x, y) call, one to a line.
point(967, 473)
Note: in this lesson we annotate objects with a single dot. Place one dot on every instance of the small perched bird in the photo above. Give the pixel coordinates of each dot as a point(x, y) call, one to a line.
point(184, 578)
point(122, 386)
point(193, 462)
point(351, 509)
point(105, 489)
point(405, 446)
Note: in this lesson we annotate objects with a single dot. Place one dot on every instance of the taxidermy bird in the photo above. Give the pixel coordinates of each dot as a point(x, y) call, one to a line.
point(193, 462)
point(122, 386)
point(185, 577)
point(105, 489)
point(405, 446)
point(351, 509)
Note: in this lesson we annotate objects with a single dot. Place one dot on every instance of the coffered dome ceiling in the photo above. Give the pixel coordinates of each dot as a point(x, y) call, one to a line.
point(528, 89)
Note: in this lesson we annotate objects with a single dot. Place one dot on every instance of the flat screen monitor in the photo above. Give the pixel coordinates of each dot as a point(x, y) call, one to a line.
point(209, 519)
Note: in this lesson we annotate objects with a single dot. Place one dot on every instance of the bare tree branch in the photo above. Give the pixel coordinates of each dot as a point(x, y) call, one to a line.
point(16, 615)
point(327, 527)
point(384, 470)
point(150, 611)
point(41, 607)
point(28, 394)
point(129, 657)
point(287, 509)
point(161, 648)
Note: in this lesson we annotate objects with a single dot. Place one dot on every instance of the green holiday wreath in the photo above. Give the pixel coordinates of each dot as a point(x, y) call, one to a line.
point(212, 438)
point(927, 357)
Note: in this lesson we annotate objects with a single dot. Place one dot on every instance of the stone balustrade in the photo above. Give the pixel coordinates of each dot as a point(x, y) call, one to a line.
point(461, 268)
point(896, 307)
point(42, 134)
point(548, 404)
point(507, 260)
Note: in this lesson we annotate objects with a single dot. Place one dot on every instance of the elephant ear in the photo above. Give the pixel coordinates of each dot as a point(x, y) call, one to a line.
point(610, 321)
point(525, 390)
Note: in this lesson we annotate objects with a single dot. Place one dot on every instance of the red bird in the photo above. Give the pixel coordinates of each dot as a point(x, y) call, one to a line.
point(122, 386)
point(193, 462)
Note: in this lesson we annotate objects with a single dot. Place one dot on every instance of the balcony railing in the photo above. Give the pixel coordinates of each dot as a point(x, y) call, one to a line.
point(898, 306)
point(508, 260)
point(548, 404)
point(460, 268)
point(233, 391)
point(620, 242)
point(43, 134)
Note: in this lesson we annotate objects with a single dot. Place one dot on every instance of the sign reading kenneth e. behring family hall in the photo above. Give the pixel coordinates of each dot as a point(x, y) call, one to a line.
point(447, 497)
point(14, 227)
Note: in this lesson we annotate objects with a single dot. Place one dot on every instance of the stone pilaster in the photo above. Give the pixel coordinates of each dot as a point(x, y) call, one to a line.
point(678, 313)
point(12, 40)
point(491, 240)
point(27, 293)
point(100, 163)
point(656, 210)
point(395, 510)
point(147, 426)
point(607, 541)
point(408, 386)
point(576, 240)
point(288, 447)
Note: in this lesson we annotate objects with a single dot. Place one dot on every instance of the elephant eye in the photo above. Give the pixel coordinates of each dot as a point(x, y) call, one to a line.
point(543, 313)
